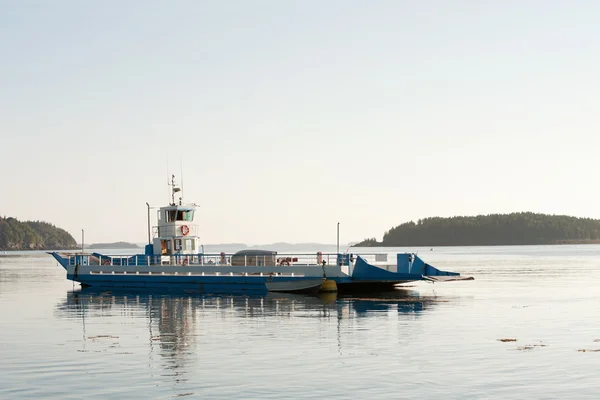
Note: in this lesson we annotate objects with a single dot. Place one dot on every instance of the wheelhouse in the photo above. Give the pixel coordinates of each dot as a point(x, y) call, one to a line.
point(176, 232)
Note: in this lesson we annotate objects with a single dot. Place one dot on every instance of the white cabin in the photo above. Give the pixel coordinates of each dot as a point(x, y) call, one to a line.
point(175, 232)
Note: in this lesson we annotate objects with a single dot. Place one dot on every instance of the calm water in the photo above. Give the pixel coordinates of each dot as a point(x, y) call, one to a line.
point(428, 341)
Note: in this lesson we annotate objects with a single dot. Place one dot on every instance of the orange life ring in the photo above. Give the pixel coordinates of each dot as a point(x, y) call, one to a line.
point(185, 230)
point(185, 262)
point(106, 262)
point(284, 262)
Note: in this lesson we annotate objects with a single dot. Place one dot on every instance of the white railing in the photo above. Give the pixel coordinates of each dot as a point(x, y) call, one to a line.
point(219, 259)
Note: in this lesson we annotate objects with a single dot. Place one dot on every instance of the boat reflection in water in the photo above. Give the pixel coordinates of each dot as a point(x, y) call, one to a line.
point(181, 308)
point(183, 328)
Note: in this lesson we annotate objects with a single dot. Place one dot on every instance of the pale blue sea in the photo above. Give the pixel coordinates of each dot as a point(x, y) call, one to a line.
point(428, 341)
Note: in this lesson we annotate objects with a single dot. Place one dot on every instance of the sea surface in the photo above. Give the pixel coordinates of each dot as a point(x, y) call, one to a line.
point(527, 327)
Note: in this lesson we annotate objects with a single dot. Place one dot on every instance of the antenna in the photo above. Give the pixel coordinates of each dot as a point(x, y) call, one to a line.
point(174, 189)
point(168, 176)
point(181, 174)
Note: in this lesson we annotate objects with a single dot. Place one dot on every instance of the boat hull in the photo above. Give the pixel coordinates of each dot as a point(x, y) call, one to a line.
point(295, 286)
point(201, 284)
point(110, 272)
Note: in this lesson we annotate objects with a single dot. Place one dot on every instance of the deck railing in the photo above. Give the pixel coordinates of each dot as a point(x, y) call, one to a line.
point(219, 259)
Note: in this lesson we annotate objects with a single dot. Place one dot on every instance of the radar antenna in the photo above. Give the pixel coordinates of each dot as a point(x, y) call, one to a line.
point(174, 189)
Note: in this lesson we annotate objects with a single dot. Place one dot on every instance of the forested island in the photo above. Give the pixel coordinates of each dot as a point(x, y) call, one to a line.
point(524, 228)
point(33, 235)
point(114, 245)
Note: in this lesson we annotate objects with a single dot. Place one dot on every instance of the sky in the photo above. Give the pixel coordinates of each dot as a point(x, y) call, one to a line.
point(287, 117)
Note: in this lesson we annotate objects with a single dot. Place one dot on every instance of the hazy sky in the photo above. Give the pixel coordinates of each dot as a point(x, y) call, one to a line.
point(289, 116)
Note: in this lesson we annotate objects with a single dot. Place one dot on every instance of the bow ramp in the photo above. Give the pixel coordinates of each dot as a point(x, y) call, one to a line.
point(64, 261)
point(409, 267)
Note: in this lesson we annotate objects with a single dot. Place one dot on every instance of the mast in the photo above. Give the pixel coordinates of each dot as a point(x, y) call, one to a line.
point(338, 243)
point(174, 189)
point(149, 240)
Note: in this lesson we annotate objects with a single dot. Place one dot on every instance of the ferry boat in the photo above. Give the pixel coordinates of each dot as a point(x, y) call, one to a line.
point(174, 259)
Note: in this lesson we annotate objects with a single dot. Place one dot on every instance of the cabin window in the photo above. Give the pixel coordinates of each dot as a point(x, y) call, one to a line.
point(177, 244)
point(187, 215)
point(179, 215)
point(189, 245)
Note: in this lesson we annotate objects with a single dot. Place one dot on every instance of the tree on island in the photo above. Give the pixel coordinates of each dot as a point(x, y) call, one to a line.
point(494, 229)
point(33, 235)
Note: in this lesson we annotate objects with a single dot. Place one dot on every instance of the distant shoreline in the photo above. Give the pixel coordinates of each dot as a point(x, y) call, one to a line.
point(556, 243)
point(113, 245)
point(126, 245)
point(517, 228)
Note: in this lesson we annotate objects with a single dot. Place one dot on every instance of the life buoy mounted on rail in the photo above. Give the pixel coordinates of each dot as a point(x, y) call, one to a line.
point(185, 230)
